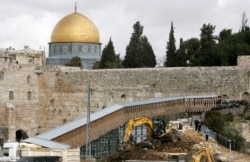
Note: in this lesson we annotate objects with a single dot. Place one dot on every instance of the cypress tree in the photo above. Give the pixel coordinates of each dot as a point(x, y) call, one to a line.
point(147, 53)
point(133, 56)
point(139, 52)
point(171, 49)
point(109, 59)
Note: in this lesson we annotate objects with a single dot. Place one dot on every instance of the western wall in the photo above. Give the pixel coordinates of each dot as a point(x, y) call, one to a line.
point(49, 96)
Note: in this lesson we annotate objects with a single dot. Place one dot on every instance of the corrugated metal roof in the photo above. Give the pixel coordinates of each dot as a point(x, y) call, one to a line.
point(46, 143)
point(51, 134)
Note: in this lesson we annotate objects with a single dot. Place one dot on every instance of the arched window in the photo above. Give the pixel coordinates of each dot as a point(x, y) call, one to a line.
point(245, 96)
point(11, 95)
point(1, 75)
point(28, 79)
point(29, 95)
point(89, 48)
point(80, 48)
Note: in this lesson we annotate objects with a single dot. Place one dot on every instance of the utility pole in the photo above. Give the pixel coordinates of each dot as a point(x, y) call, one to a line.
point(88, 144)
point(229, 150)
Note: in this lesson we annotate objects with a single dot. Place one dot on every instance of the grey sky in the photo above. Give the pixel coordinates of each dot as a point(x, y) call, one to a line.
point(30, 22)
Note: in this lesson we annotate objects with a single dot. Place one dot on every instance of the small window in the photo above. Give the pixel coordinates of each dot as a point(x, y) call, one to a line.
point(96, 49)
point(74, 48)
point(61, 49)
point(89, 48)
point(92, 49)
point(1, 141)
point(56, 49)
point(70, 48)
point(1, 75)
point(28, 79)
point(80, 48)
point(31, 60)
point(29, 95)
point(11, 95)
point(85, 49)
point(66, 49)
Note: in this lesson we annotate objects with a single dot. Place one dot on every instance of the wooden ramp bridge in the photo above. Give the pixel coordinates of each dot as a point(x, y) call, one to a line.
point(106, 126)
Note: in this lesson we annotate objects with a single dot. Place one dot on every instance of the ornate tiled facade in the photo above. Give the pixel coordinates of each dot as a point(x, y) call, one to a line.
point(74, 35)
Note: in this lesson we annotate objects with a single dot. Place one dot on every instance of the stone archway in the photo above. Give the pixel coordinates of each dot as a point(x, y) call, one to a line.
point(246, 96)
point(21, 135)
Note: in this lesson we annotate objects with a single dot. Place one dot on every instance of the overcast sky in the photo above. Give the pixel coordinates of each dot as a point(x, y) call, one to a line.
point(30, 22)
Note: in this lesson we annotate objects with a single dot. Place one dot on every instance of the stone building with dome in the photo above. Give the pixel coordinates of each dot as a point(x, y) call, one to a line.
point(74, 35)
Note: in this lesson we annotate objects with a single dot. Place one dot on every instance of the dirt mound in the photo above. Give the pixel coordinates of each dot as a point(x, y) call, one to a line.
point(189, 139)
point(160, 153)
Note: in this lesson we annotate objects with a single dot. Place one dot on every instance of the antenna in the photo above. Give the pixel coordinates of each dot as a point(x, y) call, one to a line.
point(75, 6)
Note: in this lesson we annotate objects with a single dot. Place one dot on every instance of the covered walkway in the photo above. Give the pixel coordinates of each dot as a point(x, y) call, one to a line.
point(110, 118)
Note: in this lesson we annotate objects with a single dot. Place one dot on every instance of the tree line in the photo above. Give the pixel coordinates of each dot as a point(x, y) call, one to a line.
point(208, 50)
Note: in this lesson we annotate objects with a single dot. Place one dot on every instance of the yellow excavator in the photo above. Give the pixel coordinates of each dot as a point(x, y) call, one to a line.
point(157, 131)
point(203, 155)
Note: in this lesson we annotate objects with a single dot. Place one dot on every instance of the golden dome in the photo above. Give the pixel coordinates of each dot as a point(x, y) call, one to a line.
point(75, 27)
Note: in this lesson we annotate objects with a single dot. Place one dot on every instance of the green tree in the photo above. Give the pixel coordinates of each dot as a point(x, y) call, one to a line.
point(181, 56)
point(133, 55)
point(221, 56)
point(207, 41)
point(225, 34)
point(147, 53)
point(192, 47)
point(75, 61)
point(171, 49)
point(139, 52)
point(219, 123)
point(214, 121)
point(231, 46)
point(225, 50)
point(228, 117)
point(109, 59)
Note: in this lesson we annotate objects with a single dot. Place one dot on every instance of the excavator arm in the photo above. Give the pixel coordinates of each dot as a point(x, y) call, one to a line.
point(157, 132)
point(135, 122)
point(204, 155)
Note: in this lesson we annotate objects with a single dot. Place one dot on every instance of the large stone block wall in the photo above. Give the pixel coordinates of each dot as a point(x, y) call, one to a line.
point(64, 95)
point(60, 94)
point(20, 112)
point(243, 61)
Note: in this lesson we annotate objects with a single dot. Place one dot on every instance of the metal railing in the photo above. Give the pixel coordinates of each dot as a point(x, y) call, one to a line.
point(243, 147)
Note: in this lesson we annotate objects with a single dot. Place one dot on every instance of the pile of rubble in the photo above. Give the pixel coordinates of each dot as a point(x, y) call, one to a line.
point(190, 143)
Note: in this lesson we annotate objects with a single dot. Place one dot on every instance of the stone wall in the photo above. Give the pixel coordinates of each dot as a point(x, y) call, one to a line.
point(244, 128)
point(243, 61)
point(60, 94)
point(21, 110)
point(64, 94)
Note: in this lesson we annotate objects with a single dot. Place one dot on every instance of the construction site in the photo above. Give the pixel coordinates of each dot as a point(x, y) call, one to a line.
point(113, 115)
point(191, 147)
